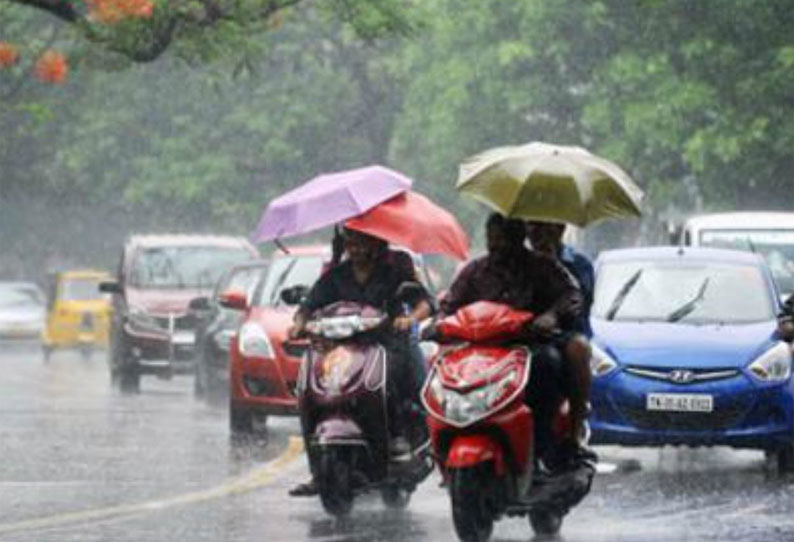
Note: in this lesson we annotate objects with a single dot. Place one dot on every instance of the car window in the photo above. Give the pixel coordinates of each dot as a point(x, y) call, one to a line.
point(285, 272)
point(776, 246)
point(79, 290)
point(20, 297)
point(687, 292)
point(183, 267)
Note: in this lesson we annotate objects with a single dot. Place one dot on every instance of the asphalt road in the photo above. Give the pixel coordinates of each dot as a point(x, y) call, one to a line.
point(79, 462)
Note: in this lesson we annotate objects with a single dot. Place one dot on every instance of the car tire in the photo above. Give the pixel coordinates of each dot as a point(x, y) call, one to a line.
point(129, 380)
point(241, 420)
point(785, 459)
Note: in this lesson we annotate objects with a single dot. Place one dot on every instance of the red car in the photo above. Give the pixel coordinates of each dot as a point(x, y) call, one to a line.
point(263, 364)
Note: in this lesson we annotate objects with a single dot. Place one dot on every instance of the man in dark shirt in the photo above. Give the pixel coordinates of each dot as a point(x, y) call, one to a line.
point(546, 239)
point(526, 280)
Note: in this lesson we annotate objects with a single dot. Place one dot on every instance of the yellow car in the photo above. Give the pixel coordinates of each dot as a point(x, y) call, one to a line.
point(78, 314)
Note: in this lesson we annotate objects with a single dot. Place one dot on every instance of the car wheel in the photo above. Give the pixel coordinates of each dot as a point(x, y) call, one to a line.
point(785, 459)
point(241, 420)
point(129, 380)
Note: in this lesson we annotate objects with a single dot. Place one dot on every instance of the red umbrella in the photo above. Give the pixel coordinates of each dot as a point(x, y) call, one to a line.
point(416, 223)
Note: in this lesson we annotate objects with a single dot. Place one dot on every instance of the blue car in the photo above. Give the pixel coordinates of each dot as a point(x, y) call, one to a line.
point(686, 352)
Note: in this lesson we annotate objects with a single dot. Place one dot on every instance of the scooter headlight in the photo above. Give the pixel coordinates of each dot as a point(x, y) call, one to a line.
point(254, 341)
point(601, 363)
point(467, 408)
point(774, 365)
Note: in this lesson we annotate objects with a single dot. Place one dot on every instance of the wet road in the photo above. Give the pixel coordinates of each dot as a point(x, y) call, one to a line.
point(79, 462)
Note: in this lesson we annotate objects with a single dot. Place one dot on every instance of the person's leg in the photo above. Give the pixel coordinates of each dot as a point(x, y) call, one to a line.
point(543, 394)
point(577, 382)
point(399, 369)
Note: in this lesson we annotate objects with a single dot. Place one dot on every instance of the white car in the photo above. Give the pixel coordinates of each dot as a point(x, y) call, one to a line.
point(22, 312)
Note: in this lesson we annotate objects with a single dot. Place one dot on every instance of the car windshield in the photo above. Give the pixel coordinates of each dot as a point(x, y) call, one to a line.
point(692, 292)
point(20, 297)
point(777, 247)
point(79, 290)
point(285, 272)
point(183, 266)
point(242, 280)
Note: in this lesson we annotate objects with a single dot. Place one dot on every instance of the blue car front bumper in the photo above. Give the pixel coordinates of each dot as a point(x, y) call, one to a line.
point(746, 414)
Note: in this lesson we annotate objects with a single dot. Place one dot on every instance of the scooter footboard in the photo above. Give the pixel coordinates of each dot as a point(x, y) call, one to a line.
point(475, 449)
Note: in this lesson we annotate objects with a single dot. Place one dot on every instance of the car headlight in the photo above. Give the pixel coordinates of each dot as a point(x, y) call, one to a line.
point(254, 341)
point(774, 365)
point(601, 363)
point(467, 408)
point(141, 319)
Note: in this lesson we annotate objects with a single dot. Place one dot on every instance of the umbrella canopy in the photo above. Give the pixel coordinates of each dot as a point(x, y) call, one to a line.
point(550, 182)
point(415, 222)
point(328, 199)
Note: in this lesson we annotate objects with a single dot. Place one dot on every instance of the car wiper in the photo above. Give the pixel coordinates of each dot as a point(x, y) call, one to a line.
point(622, 294)
point(282, 278)
point(690, 305)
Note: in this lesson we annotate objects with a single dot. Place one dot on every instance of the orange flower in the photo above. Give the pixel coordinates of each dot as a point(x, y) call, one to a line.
point(113, 11)
point(8, 54)
point(51, 67)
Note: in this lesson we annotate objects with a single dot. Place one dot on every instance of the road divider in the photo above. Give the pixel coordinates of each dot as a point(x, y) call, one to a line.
point(251, 481)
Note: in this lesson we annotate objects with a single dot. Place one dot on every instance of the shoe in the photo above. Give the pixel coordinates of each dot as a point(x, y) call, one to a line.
point(306, 489)
point(399, 446)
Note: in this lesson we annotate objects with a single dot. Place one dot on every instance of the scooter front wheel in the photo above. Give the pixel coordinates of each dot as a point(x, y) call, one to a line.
point(473, 521)
point(395, 497)
point(335, 482)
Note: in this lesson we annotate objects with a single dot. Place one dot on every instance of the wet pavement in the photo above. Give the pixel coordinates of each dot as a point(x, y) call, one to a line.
point(79, 462)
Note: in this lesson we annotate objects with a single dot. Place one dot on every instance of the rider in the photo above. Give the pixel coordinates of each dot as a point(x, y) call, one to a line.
point(546, 238)
point(371, 275)
point(530, 281)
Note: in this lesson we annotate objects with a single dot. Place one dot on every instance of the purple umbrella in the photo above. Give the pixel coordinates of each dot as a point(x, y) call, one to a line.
point(329, 199)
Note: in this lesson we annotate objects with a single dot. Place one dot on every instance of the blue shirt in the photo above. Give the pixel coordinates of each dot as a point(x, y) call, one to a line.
point(580, 267)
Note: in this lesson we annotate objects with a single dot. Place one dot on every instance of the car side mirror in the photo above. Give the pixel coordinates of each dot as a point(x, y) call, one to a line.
point(110, 287)
point(200, 304)
point(294, 295)
point(233, 299)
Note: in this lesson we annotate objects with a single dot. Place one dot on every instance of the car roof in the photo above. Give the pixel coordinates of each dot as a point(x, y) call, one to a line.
point(179, 239)
point(249, 265)
point(690, 253)
point(750, 220)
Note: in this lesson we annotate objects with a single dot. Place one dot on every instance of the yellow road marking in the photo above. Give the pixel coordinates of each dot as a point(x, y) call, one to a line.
point(255, 479)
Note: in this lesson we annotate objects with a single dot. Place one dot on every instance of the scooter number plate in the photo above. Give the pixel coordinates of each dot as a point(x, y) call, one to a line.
point(680, 402)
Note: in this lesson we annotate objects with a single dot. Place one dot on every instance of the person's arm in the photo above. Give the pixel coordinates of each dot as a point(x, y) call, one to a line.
point(461, 291)
point(562, 294)
point(320, 295)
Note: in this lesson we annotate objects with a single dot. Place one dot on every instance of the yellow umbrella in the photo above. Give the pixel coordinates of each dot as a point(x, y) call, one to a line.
point(557, 183)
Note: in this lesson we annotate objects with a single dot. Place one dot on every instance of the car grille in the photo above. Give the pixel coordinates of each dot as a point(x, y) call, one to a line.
point(682, 376)
point(723, 417)
point(294, 349)
point(185, 321)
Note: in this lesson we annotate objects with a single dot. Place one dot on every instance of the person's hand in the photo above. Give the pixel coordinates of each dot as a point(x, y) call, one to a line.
point(544, 325)
point(786, 328)
point(295, 332)
point(404, 323)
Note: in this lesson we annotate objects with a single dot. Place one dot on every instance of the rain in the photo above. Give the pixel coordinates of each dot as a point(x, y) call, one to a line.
point(141, 142)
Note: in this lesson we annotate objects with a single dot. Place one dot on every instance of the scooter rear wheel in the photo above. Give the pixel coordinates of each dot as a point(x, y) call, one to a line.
point(545, 522)
point(335, 482)
point(395, 497)
point(473, 522)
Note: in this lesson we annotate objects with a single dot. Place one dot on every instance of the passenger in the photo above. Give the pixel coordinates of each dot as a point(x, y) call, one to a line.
point(526, 280)
point(785, 320)
point(371, 275)
point(546, 238)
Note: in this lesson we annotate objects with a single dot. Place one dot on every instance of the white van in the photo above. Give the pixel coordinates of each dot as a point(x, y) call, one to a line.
point(767, 233)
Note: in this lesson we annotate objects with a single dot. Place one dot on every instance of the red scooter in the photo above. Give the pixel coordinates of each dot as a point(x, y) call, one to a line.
point(342, 389)
point(482, 431)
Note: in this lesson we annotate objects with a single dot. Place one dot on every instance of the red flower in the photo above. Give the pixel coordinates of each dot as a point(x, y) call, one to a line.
point(51, 67)
point(8, 54)
point(113, 11)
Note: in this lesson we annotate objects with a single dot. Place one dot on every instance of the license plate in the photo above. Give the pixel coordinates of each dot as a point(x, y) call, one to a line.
point(183, 338)
point(680, 402)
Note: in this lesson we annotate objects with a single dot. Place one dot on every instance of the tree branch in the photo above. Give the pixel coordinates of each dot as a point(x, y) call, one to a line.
point(62, 9)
